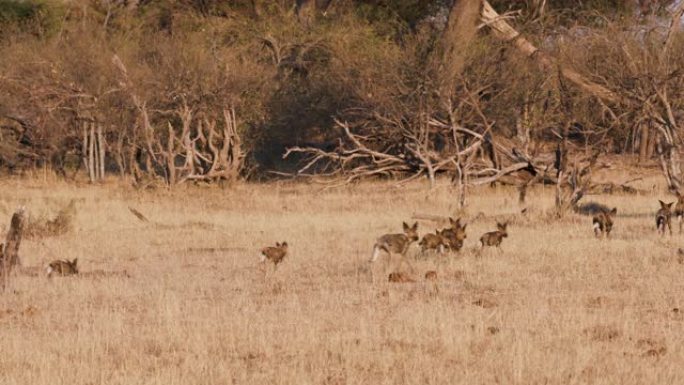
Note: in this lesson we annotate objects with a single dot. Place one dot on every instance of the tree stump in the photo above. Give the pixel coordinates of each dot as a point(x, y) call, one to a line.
point(9, 252)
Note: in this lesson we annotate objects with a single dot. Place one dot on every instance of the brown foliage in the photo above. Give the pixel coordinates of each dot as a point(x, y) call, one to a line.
point(401, 75)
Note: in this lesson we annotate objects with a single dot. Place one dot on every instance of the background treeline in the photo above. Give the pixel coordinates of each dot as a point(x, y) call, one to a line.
point(218, 90)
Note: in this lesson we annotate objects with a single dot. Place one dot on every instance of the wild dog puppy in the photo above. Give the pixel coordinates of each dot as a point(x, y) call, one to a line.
point(431, 275)
point(274, 254)
point(62, 267)
point(494, 238)
point(664, 217)
point(455, 235)
point(679, 210)
point(396, 244)
point(400, 277)
point(433, 242)
point(603, 222)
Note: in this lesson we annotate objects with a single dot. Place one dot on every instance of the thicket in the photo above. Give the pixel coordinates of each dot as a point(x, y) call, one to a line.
point(216, 90)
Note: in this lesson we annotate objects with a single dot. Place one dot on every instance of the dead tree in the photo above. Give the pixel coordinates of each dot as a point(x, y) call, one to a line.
point(402, 144)
point(188, 141)
point(357, 157)
point(654, 100)
point(211, 150)
point(573, 184)
point(504, 31)
point(9, 251)
point(93, 149)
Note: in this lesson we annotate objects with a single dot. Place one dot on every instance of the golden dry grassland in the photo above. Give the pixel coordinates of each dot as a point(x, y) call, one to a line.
point(556, 306)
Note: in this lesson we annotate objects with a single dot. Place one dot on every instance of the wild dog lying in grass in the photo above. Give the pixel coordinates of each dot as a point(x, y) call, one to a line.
point(494, 238)
point(431, 275)
point(62, 267)
point(274, 254)
point(603, 222)
point(664, 217)
point(396, 244)
point(400, 277)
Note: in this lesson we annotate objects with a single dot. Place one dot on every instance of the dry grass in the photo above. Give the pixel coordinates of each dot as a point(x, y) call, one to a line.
point(195, 307)
point(62, 223)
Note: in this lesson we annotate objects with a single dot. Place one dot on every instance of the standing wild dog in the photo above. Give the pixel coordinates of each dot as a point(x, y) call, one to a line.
point(494, 238)
point(664, 217)
point(62, 267)
point(603, 222)
point(679, 210)
point(396, 244)
point(274, 254)
point(455, 235)
point(435, 241)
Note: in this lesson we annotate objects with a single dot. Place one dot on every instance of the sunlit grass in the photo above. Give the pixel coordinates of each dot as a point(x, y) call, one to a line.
point(555, 306)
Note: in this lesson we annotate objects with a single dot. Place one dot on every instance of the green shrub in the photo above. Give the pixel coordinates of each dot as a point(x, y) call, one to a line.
point(38, 17)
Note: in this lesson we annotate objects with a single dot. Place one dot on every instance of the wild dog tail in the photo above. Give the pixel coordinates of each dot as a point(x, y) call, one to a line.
point(597, 226)
point(376, 252)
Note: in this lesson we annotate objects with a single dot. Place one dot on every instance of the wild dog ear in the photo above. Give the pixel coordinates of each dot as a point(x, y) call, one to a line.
point(662, 204)
point(277, 244)
point(613, 211)
point(284, 244)
point(456, 222)
point(669, 205)
point(74, 262)
point(464, 227)
point(406, 226)
point(415, 226)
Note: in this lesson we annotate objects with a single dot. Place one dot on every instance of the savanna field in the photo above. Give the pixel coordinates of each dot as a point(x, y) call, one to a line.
point(183, 299)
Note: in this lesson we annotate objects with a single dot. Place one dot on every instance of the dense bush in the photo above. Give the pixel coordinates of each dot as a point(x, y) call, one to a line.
point(286, 69)
point(41, 18)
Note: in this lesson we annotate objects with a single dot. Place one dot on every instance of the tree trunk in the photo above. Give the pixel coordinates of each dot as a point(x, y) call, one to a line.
point(101, 151)
point(91, 152)
point(118, 153)
point(9, 252)
point(652, 141)
point(643, 144)
point(460, 31)
point(170, 157)
point(96, 154)
point(84, 146)
point(670, 163)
